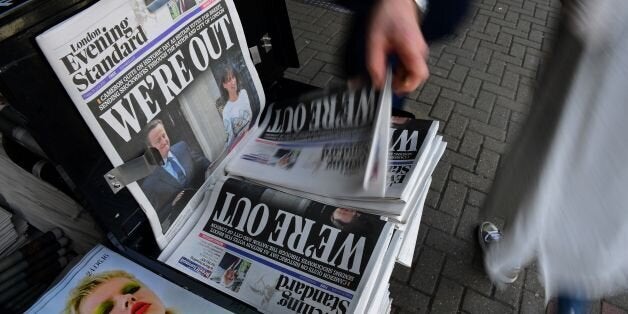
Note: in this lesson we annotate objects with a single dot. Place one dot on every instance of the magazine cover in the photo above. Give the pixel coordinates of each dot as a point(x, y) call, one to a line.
point(106, 282)
point(323, 143)
point(282, 253)
point(174, 76)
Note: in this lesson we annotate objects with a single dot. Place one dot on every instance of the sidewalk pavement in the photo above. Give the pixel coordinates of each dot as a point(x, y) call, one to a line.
point(479, 89)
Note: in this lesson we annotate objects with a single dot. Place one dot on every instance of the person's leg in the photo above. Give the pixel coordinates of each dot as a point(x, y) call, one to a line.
point(503, 257)
point(571, 305)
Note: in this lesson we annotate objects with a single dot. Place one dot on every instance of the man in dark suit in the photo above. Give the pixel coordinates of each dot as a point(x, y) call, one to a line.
point(171, 186)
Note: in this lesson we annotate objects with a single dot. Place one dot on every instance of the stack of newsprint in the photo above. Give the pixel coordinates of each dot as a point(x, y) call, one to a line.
point(299, 206)
point(12, 232)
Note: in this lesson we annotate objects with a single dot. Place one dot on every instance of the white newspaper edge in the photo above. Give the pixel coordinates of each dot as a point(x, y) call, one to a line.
point(377, 163)
point(406, 253)
point(384, 275)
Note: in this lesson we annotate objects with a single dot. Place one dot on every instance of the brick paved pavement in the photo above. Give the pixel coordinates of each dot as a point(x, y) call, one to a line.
point(480, 84)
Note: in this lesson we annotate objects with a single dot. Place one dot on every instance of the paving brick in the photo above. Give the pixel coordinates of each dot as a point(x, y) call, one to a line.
point(446, 61)
point(512, 293)
point(499, 90)
point(468, 224)
point(456, 125)
point(471, 144)
point(440, 176)
point(476, 198)
point(429, 93)
point(470, 44)
point(457, 249)
point(448, 297)
point(467, 276)
point(458, 73)
point(504, 39)
point(494, 145)
point(517, 50)
point(453, 199)
point(486, 101)
point(472, 113)
point(620, 300)
point(327, 57)
point(442, 109)
point(420, 109)
point(311, 68)
point(435, 72)
point(432, 199)
point(476, 303)
point(471, 180)
point(608, 308)
point(487, 164)
point(427, 270)
point(321, 79)
point(456, 96)
point(513, 131)
point(445, 83)
point(438, 220)
point(533, 284)
point(512, 104)
point(452, 142)
point(517, 117)
point(401, 273)
point(471, 86)
point(409, 299)
point(485, 76)
point(531, 303)
point(500, 117)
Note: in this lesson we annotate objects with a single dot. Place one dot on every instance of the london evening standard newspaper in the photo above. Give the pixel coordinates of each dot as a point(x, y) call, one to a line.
point(177, 78)
point(103, 282)
point(282, 253)
point(332, 143)
point(413, 154)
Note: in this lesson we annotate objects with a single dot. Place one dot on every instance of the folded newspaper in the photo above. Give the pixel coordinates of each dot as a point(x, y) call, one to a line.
point(299, 206)
point(283, 253)
point(328, 143)
point(169, 93)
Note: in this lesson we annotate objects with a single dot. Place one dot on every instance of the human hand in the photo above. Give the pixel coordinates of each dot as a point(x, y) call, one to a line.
point(394, 28)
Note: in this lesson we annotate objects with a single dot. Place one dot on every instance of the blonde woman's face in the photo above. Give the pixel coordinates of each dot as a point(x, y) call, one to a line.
point(121, 295)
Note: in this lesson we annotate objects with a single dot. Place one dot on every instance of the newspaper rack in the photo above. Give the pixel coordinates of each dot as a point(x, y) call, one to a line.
point(133, 170)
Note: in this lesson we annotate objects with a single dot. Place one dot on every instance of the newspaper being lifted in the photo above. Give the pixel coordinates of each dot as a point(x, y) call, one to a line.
point(328, 143)
point(282, 253)
point(173, 82)
point(106, 282)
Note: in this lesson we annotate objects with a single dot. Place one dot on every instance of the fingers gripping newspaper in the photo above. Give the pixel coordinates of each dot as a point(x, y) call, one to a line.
point(175, 77)
point(282, 253)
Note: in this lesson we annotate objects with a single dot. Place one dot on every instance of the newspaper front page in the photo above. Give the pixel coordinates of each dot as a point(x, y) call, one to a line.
point(106, 282)
point(282, 253)
point(174, 76)
point(327, 144)
point(410, 142)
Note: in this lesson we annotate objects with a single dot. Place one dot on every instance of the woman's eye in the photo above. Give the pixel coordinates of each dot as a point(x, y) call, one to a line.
point(104, 308)
point(130, 288)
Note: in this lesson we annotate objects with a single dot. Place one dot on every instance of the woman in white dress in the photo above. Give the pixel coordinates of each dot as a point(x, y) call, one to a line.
point(237, 113)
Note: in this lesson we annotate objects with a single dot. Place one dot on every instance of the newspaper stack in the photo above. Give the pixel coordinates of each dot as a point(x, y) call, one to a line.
point(12, 232)
point(27, 272)
point(301, 206)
